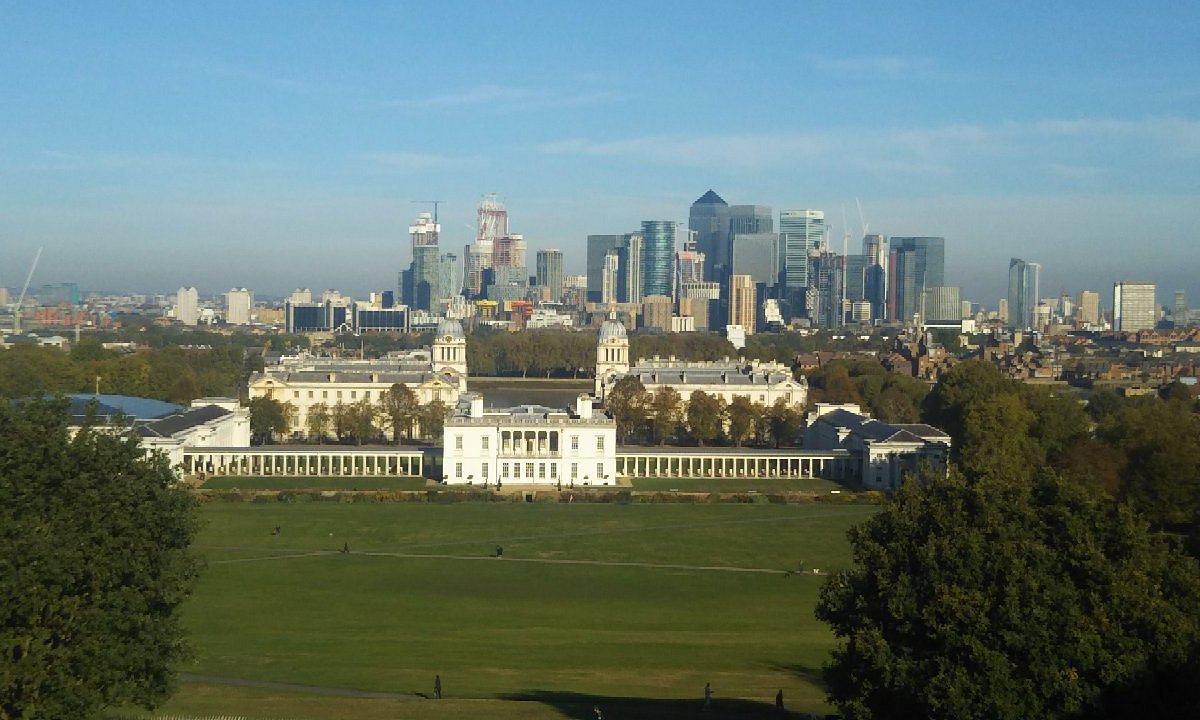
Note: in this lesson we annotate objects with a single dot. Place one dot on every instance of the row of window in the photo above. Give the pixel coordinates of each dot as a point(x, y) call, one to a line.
point(458, 442)
point(437, 394)
point(517, 471)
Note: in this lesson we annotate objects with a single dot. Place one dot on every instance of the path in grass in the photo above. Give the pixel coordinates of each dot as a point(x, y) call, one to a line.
point(295, 687)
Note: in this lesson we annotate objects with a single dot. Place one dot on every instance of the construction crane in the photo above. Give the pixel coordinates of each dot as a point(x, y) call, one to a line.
point(434, 203)
point(24, 289)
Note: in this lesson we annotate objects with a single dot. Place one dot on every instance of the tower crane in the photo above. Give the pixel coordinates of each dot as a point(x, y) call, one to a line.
point(24, 289)
point(434, 203)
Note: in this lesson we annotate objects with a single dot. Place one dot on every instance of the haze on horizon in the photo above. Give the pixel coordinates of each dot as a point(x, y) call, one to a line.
point(275, 145)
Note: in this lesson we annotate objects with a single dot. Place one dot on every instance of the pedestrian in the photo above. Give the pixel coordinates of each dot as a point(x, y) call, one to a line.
point(437, 687)
point(707, 695)
point(499, 551)
point(779, 701)
point(345, 548)
point(596, 711)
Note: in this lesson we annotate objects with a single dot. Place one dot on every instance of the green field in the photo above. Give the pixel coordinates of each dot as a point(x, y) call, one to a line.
point(630, 607)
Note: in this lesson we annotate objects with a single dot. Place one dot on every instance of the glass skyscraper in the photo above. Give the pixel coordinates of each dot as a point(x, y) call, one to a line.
point(1023, 292)
point(658, 257)
point(917, 263)
point(709, 218)
point(800, 233)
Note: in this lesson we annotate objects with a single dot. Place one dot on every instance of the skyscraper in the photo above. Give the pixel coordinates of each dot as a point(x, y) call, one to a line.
point(709, 218)
point(1133, 306)
point(1089, 307)
point(916, 263)
point(629, 271)
point(238, 304)
point(800, 233)
point(420, 283)
point(658, 255)
point(1179, 312)
point(550, 271)
point(492, 224)
point(743, 307)
point(598, 247)
point(875, 274)
point(756, 255)
point(187, 306)
point(1023, 280)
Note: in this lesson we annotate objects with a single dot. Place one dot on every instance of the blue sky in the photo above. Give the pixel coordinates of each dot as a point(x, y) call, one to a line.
point(274, 145)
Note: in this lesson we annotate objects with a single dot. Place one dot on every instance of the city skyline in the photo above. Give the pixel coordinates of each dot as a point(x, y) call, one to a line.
point(277, 146)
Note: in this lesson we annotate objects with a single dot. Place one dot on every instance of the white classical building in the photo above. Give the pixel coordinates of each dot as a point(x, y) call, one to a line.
point(881, 454)
point(759, 382)
point(437, 373)
point(529, 445)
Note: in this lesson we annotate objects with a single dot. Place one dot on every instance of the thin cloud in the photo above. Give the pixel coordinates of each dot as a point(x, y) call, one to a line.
point(891, 65)
point(413, 162)
point(55, 159)
point(507, 98)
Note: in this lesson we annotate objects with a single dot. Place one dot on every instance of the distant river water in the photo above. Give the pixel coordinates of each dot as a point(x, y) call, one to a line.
point(509, 392)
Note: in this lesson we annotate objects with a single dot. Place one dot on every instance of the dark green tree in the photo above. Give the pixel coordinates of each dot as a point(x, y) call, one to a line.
point(666, 412)
point(94, 540)
point(743, 419)
point(628, 403)
point(269, 418)
point(705, 416)
point(433, 419)
point(959, 387)
point(399, 407)
point(1010, 599)
point(318, 422)
point(783, 423)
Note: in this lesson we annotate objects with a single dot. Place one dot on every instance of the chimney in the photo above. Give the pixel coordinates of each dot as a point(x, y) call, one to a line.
point(583, 406)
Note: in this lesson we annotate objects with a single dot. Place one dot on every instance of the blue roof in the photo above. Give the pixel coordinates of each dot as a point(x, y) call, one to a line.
point(135, 408)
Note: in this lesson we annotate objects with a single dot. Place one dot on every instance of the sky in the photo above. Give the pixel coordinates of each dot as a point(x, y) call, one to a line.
point(272, 145)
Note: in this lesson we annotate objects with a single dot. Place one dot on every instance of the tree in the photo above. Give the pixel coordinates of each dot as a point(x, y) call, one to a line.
point(399, 406)
point(666, 409)
point(705, 415)
point(94, 539)
point(957, 388)
point(1009, 599)
point(783, 422)
point(433, 419)
point(360, 420)
point(268, 418)
point(996, 440)
point(319, 421)
point(743, 418)
point(628, 401)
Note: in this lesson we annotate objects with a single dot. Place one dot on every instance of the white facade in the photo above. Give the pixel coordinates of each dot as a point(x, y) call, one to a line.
point(187, 305)
point(881, 454)
point(1133, 306)
point(529, 445)
point(239, 302)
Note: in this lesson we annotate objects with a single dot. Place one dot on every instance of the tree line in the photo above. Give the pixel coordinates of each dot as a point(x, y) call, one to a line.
point(396, 413)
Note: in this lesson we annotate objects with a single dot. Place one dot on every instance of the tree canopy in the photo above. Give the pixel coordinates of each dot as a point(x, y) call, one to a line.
point(94, 542)
point(1005, 598)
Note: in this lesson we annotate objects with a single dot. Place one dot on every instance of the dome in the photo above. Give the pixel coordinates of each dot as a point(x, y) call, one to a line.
point(612, 330)
point(449, 327)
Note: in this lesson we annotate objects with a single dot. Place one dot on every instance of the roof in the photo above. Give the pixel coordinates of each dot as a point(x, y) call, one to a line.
point(612, 329)
point(177, 423)
point(411, 377)
point(710, 198)
point(709, 376)
point(134, 408)
point(450, 327)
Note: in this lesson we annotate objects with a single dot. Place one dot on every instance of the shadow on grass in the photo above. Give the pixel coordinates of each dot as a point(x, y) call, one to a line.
point(812, 675)
point(581, 706)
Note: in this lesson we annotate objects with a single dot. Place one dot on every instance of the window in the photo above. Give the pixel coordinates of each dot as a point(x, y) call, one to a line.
point(484, 471)
point(529, 470)
point(553, 470)
point(485, 442)
point(458, 470)
point(504, 470)
point(574, 442)
point(458, 443)
point(541, 471)
point(295, 393)
point(762, 398)
point(310, 394)
point(353, 394)
point(574, 471)
point(599, 471)
point(324, 394)
point(517, 470)
point(339, 394)
point(600, 443)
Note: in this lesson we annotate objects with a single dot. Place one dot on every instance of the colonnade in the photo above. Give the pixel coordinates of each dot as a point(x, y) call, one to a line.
point(833, 465)
point(530, 442)
point(322, 463)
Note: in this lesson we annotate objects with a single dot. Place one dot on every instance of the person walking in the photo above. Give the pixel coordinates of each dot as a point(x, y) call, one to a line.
point(707, 695)
point(437, 687)
point(779, 701)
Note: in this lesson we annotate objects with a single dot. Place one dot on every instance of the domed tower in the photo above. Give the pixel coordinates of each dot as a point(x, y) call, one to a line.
point(612, 355)
point(450, 350)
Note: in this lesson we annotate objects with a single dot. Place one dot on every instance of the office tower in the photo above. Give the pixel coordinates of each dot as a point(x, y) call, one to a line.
point(874, 248)
point(800, 234)
point(743, 304)
point(689, 263)
point(857, 267)
point(598, 247)
point(419, 285)
point(629, 269)
point(756, 255)
point(609, 284)
point(239, 302)
point(58, 294)
point(300, 295)
point(1002, 311)
point(709, 218)
point(1041, 316)
point(941, 305)
point(747, 220)
point(492, 224)
point(658, 254)
point(656, 312)
point(1179, 313)
point(510, 251)
point(187, 305)
point(1023, 280)
point(1133, 306)
point(550, 271)
point(825, 288)
point(916, 263)
point(1088, 312)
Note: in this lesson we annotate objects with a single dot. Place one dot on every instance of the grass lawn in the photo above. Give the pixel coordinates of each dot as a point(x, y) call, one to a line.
point(279, 482)
point(630, 607)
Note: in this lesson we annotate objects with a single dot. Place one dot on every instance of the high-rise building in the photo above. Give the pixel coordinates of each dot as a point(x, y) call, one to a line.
point(1133, 306)
point(941, 305)
point(550, 271)
point(239, 303)
point(916, 263)
point(187, 305)
point(875, 274)
point(656, 312)
point(709, 218)
point(1179, 312)
point(598, 247)
point(629, 271)
point(689, 265)
point(743, 303)
point(756, 255)
point(608, 282)
point(492, 224)
point(419, 285)
point(1002, 311)
point(1088, 312)
point(658, 255)
point(800, 234)
point(1023, 280)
